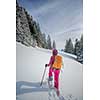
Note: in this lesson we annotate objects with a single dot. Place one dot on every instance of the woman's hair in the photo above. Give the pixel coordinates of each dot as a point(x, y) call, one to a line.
point(54, 52)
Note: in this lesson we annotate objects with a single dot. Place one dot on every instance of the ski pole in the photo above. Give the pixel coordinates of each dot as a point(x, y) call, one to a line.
point(43, 76)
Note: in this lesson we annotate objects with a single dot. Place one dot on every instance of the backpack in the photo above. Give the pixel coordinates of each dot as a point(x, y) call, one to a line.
point(57, 62)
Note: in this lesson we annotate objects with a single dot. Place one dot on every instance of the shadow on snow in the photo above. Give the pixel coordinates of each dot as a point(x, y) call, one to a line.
point(30, 87)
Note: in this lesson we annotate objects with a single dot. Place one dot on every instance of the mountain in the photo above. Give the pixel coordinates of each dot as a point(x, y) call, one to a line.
point(27, 30)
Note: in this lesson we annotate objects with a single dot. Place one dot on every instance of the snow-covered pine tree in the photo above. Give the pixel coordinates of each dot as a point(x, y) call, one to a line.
point(81, 42)
point(44, 41)
point(38, 35)
point(54, 44)
point(78, 50)
point(80, 53)
point(27, 29)
point(49, 42)
point(65, 50)
point(69, 46)
point(77, 46)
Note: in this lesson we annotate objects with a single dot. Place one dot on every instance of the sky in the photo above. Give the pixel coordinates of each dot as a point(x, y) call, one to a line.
point(57, 17)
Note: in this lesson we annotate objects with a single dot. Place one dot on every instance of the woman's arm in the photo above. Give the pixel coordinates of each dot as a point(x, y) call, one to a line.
point(50, 62)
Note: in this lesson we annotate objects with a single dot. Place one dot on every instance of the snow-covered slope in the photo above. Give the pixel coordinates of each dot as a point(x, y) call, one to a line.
point(29, 69)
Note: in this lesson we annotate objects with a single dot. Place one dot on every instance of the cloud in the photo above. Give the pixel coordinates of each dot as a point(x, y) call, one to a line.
point(58, 15)
point(46, 8)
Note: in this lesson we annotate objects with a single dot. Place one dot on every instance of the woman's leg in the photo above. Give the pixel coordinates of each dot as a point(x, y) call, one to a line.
point(50, 72)
point(56, 79)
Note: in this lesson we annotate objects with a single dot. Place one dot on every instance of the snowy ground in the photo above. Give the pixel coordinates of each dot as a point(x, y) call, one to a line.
point(29, 69)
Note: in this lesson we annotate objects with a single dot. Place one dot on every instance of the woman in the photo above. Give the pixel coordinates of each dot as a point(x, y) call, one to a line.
point(55, 64)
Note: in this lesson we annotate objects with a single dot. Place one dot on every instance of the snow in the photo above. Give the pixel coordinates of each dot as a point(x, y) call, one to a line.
point(29, 70)
point(68, 54)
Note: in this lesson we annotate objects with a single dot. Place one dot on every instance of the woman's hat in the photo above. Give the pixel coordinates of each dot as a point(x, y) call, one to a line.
point(55, 52)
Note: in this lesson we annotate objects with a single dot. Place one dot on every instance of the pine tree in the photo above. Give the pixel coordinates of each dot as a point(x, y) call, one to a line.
point(80, 53)
point(81, 42)
point(77, 47)
point(78, 50)
point(44, 41)
point(69, 46)
point(66, 45)
point(49, 42)
point(54, 44)
point(38, 35)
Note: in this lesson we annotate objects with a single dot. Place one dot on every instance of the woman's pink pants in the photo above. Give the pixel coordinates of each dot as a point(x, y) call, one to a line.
point(56, 76)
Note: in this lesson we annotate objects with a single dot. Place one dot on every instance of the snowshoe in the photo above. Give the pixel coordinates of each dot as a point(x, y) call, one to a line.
point(50, 78)
point(50, 82)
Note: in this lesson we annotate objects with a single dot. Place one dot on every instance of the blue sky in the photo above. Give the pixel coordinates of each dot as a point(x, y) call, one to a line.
point(56, 17)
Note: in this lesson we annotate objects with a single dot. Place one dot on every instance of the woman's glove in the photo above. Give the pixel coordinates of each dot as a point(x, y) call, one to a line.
point(46, 65)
